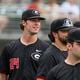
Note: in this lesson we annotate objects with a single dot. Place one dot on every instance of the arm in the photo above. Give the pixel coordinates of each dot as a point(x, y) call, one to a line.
point(3, 65)
point(3, 76)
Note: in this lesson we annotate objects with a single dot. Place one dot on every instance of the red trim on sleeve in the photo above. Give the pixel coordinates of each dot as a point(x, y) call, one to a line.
point(41, 77)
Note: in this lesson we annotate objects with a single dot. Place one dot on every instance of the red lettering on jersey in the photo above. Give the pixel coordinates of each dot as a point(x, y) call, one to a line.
point(14, 63)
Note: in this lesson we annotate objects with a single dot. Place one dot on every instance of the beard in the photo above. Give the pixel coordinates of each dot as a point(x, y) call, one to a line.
point(63, 40)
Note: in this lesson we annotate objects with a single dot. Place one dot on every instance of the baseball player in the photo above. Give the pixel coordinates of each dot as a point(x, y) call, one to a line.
point(20, 58)
point(57, 52)
point(70, 68)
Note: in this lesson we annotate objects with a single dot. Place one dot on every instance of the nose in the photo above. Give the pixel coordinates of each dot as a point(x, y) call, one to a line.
point(37, 21)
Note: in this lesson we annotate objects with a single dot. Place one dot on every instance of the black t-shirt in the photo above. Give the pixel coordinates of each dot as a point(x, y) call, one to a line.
point(20, 62)
point(52, 57)
point(64, 71)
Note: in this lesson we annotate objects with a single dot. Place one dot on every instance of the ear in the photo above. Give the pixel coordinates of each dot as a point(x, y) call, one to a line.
point(69, 46)
point(54, 34)
point(23, 23)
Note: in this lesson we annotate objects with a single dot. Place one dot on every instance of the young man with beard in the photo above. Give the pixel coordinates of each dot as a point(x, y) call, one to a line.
point(57, 52)
point(20, 58)
point(70, 68)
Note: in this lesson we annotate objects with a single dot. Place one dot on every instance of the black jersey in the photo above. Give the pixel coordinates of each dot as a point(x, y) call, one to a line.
point(64, 71)
point(20, 62)
point(52, 57)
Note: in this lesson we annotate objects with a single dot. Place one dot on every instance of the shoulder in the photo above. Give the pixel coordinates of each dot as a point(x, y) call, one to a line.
point(60, 72)
point(50, 54)
point(9, 48)
point(52, 51)
point(58, 68)
point(42, 43)
point(12, 45)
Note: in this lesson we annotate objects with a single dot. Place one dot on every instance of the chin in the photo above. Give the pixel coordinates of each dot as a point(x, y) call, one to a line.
point(34, 33)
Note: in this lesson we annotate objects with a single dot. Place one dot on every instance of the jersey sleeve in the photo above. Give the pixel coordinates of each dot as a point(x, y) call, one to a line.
point(51, 75)
point(46, 63)
point(4, 64)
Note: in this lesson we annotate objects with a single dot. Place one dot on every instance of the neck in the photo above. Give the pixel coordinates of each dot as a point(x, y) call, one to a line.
point(72, 60)
point(28, 39)
point(59, 45)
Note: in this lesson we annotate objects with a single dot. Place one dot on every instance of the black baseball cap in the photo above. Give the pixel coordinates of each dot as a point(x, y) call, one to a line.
point(61, 24)
point(31, 14)
point(74, 35)
point(77, 24)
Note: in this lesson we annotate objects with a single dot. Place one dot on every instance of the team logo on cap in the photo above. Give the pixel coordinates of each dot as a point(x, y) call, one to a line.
point(36, 55)
point(68, 22)
point(35, 12)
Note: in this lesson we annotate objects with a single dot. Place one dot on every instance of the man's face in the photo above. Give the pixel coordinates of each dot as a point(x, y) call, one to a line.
point(75, 49)
point(32, 26)
point(62, 36)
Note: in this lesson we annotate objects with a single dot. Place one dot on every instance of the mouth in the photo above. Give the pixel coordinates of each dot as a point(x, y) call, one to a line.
point(36, 28)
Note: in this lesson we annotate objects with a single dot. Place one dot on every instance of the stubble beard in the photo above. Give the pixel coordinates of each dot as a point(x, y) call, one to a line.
point(63, 41)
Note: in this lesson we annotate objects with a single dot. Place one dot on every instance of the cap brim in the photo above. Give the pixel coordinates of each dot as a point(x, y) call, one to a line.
point(66, 28)
point(37, 17)
point(78, 41)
